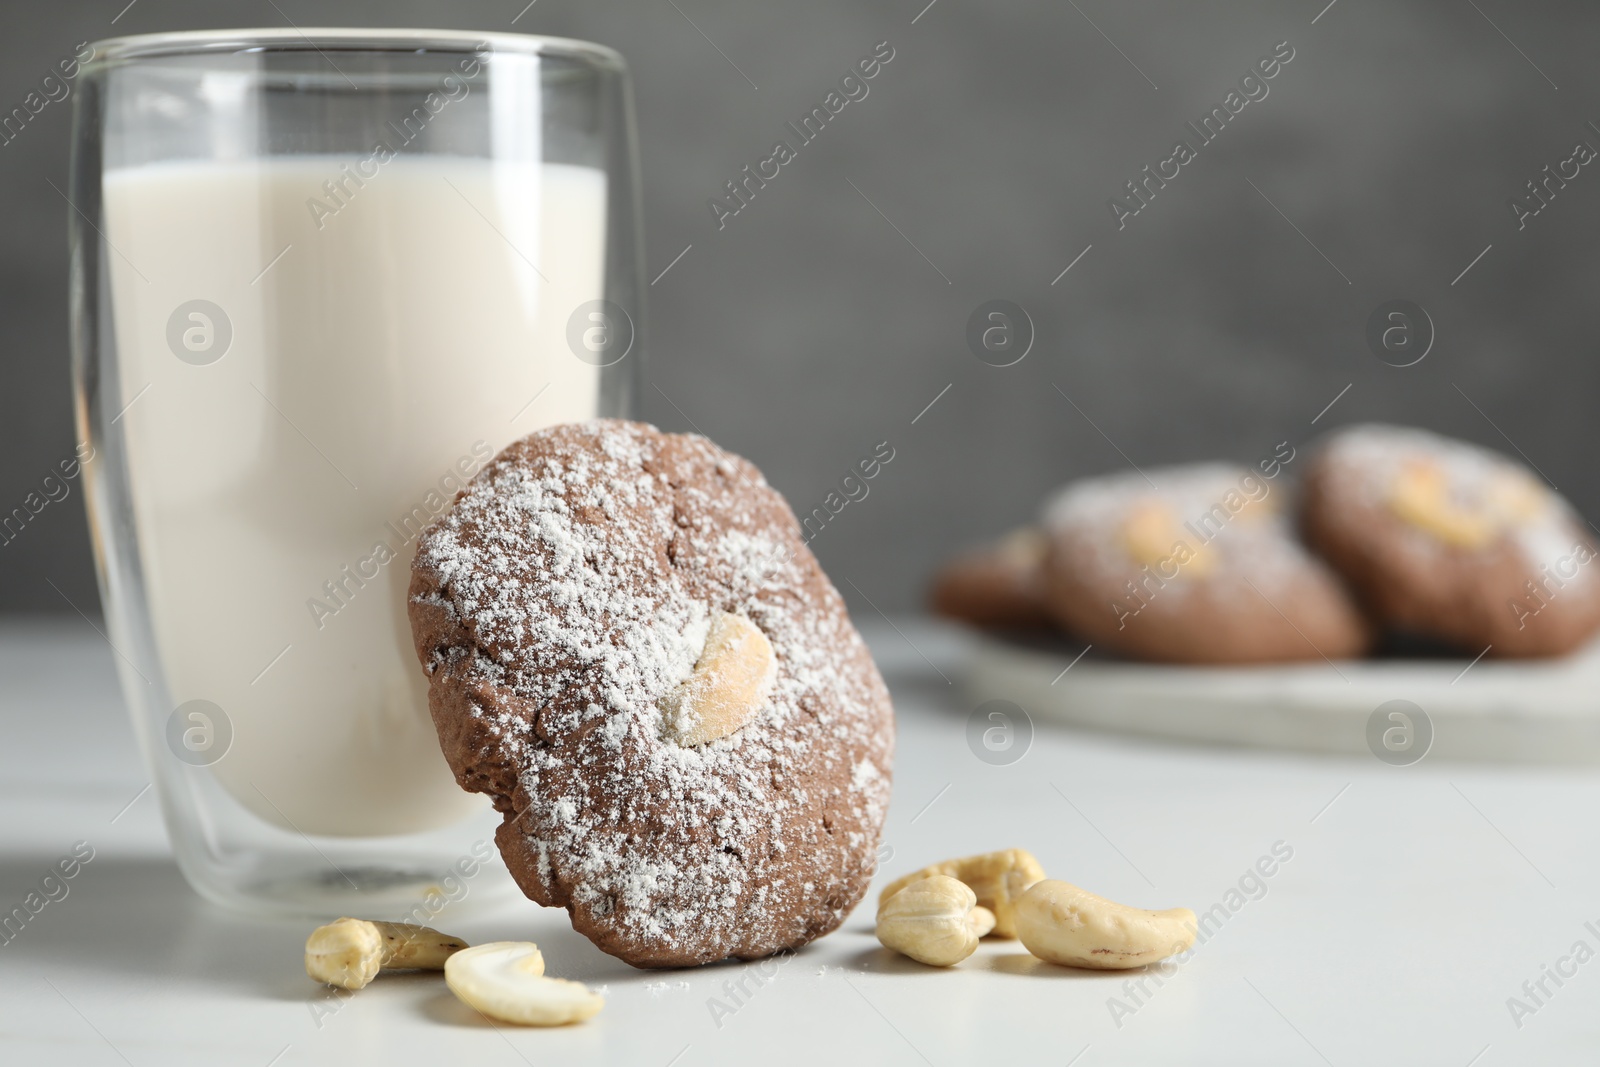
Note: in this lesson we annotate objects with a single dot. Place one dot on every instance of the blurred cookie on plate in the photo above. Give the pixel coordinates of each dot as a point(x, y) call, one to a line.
point(1193, 564)
point(997, 586)
point(1448, 540)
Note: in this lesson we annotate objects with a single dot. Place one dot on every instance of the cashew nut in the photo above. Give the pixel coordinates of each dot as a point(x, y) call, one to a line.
point(982, 920)
point(730, 683)
point(931, 921)
point(505, 980)
point(998, 878)
point(1421, 496)
point(1514, 498)
point(1151, 535)
point(349, 953)
point(1060, 923)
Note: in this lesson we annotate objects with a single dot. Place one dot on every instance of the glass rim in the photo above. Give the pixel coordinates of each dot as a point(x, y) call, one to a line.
point(317, 39)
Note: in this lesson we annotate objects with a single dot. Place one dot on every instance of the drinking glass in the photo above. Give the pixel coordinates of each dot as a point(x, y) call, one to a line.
point(318, 279)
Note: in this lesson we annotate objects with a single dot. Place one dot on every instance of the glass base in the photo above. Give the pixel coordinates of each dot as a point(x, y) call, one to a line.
point(399, 894)
point(404, 890)
point(237, 860)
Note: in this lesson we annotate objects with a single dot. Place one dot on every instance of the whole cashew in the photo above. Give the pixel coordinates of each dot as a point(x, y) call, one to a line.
point(505, 980)
point(1060, 923)
point(349, 953)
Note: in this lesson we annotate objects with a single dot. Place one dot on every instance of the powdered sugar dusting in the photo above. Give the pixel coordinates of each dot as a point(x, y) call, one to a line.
point(578, 574)
point(1370, 459)
point(1227, 510)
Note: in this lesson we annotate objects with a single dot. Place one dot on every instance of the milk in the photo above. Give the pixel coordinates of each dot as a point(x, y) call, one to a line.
point(383, 346)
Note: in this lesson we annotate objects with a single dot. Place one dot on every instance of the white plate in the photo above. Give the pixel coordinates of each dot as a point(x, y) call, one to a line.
point(1528, 711)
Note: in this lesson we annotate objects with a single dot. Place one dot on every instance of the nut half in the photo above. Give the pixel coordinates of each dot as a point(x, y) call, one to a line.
point(1420, 495)
point(998, 878)
point(931, 921)
point(1152, 536)
point(731, 681)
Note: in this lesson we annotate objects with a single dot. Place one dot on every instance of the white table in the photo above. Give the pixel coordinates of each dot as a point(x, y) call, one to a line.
point(1417, 901)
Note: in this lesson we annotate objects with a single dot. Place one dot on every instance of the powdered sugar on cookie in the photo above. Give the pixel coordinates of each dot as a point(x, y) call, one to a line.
point(1205, 522)
point(1453, 494)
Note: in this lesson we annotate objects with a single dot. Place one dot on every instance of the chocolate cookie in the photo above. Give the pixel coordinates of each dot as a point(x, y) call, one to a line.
point(1451, 541)
point(1193, 564)
point(632, 652)
point(999, 585)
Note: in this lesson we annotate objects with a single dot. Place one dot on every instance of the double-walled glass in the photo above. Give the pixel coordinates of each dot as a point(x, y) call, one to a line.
point(318, 280)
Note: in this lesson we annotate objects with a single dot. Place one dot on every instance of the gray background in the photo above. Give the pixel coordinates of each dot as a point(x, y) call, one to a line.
point(808, 329)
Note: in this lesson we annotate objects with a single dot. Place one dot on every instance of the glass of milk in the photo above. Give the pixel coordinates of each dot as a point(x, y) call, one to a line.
point(319, 278)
